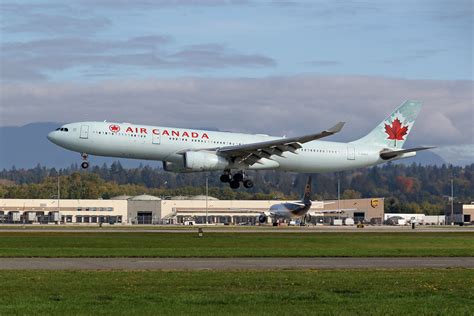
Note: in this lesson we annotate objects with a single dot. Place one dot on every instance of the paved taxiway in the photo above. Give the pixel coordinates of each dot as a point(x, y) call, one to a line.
point(230, 229)
point(232, 263)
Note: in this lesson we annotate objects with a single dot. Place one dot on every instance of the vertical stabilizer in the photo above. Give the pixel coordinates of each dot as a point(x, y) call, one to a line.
point(394, 130)
point(307, 192)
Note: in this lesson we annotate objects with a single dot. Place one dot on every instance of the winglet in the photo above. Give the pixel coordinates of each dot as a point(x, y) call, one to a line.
point(336, 128)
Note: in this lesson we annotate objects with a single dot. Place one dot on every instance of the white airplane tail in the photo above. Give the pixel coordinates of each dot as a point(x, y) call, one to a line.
point(394, 130)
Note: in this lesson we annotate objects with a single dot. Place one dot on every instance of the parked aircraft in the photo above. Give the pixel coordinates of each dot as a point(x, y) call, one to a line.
point(298, 212)
point(192, 150)
point(289, 210)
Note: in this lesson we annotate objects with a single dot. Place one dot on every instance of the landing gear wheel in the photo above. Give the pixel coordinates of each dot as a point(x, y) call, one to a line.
point(248, 184)
point(226, 178)
point(85, 163)
point(234, 184)
point(238, 177)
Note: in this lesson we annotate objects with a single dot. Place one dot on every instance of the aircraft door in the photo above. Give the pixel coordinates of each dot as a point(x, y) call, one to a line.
point(350, 152)
point(156, 137)
point(84, 131)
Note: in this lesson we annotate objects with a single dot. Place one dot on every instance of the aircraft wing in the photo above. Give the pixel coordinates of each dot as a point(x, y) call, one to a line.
point(302, 204)
point(251, 153)
point(336, 211)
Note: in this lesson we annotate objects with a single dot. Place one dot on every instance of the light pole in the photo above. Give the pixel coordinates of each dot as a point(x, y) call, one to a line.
point(59, 193)
point(207, 194)
point(338, 193)
point(452, 202)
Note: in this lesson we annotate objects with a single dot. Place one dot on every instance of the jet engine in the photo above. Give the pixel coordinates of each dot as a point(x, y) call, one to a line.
point(204, 161)
point(174, 167)
point(262, 218)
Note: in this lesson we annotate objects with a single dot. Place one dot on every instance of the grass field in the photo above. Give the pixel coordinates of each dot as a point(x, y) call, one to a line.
point(140, 244)
point(346, 292)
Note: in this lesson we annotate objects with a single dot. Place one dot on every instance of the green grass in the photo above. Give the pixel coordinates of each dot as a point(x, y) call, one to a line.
point(341, 292)
point(140, 244)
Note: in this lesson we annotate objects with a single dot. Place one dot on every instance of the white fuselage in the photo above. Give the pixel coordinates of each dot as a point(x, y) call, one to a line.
point(167, 144)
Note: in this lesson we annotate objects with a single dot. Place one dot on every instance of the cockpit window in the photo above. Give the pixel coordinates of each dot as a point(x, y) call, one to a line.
point(58, 128)
point(62, 129)
point(66, 130)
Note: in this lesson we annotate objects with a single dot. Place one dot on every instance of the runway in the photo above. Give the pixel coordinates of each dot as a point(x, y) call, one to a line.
point(232, 263)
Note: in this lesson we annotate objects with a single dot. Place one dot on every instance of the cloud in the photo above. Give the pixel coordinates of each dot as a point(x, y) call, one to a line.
point(153, 4)
point(81, 46)
point(275, 105)
point(44, 18)
point(216, 56)
point(462, 12)
point(38, 58)
point(323, 63)
point(45, 23)
point(414, 56)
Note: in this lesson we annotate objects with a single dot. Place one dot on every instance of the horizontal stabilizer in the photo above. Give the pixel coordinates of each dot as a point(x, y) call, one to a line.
point(389, 154)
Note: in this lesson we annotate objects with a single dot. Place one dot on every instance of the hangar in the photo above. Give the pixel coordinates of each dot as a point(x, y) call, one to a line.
point(146, 209)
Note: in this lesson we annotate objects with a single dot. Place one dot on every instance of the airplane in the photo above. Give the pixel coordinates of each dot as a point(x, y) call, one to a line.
point(297, 210)
point(192, 150)
point(289, 210)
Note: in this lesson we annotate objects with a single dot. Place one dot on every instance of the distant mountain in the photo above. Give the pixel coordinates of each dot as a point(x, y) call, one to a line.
point(26, 146)
point(424, 158)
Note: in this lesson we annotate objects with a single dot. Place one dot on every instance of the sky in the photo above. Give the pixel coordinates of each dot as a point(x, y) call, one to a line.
point(274, 67)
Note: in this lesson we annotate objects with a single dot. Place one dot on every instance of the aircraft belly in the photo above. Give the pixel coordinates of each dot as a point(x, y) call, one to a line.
point(323, 163)
point(123, 148)
point(307, 163)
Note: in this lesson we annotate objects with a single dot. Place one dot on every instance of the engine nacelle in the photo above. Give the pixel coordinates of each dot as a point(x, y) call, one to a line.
point(262, 218)
point(204, 161)
point(174, 167)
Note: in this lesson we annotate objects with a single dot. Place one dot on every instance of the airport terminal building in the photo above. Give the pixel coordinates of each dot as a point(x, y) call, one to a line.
point(459, 213)
point(146, 209)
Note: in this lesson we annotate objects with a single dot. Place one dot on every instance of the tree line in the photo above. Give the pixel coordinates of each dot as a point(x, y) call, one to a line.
point(406, 188)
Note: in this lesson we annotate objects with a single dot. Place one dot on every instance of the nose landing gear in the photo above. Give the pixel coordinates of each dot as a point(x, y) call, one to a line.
point(235, 180)
point(85, 163)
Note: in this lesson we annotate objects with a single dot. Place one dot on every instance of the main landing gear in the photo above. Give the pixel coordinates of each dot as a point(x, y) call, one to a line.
point(235, 180)
point(85, 163)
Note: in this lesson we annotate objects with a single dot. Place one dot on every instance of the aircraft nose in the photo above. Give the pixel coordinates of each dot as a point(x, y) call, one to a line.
point(52, 136)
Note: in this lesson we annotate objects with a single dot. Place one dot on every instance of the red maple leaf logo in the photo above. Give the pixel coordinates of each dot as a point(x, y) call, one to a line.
point(114, 128)
point(396, 131)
